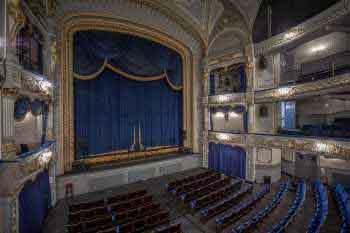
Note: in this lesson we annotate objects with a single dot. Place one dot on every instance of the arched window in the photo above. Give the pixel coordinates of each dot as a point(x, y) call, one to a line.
point(30, 48)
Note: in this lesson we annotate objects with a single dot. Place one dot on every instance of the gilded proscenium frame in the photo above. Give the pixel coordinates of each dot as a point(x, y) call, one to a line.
point(72, 23)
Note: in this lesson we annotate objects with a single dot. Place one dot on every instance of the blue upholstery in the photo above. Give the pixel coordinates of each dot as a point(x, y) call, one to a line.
point(259, 216)
point(343, 202)
point(321, 210)
point(293, 208)
point(242, 206)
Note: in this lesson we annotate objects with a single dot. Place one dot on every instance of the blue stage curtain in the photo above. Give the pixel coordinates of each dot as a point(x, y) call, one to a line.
point(227, 159)
point(131, 54)
point(22, 106)
point(34, 203)
point(107, 109)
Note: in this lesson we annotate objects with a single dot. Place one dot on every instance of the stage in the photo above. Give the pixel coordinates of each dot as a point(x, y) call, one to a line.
point(107, 175)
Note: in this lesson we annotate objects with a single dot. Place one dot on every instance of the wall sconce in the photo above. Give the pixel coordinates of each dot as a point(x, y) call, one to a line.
point(233, 115)
point(220, 115)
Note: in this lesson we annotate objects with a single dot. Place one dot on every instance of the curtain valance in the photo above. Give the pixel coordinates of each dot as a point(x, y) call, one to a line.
point(131, 57)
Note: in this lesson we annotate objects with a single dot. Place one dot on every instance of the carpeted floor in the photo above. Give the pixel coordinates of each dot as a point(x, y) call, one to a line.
point(191, 222)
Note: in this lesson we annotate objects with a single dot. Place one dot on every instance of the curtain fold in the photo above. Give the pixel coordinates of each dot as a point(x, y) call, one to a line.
point(130, 56)
point(108, 109)
point(34, 203)
point(227, 159)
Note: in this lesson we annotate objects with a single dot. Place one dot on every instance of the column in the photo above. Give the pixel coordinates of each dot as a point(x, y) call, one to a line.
point(8, 98)
point(206, 117)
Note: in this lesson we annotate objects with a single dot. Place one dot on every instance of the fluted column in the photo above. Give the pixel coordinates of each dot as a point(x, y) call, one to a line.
point(8, 98)
point(205, 117)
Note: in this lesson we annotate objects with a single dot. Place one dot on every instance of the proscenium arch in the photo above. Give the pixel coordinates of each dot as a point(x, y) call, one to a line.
point(70, 24)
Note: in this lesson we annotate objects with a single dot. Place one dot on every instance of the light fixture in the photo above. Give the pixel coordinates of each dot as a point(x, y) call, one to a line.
point(283, 92)
point(223, 137)
point(45, 157)
point(233, 115)
point(318, 48)
point(220, 115)
point(322, 147)
point(223, 98)
point(290, 35)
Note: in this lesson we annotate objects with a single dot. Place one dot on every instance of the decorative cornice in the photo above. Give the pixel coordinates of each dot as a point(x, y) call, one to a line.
point(13, 92)
point(314, 24)
point(330, 148)
point(283, 93)
point(230, 99)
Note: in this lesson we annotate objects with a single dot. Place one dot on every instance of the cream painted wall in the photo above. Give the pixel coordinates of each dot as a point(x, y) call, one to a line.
point(29, 130)
point(264, 124)
point(234, 124)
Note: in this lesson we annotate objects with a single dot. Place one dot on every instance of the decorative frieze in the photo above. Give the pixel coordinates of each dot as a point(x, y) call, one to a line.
point(230, 99)
point(37, 84)
point(282, 93)
point(329, 148)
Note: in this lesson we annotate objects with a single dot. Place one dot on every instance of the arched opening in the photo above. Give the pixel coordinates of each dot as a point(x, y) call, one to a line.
point(230, 160)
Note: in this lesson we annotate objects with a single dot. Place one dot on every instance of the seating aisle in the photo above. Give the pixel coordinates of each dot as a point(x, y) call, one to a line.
point(203, 202)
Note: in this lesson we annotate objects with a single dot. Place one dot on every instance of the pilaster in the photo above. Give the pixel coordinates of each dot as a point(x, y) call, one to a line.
point(8, 98)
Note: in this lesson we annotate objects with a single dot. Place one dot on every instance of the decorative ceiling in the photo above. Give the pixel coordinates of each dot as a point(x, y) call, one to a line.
point(215, 23)
point(222, 24)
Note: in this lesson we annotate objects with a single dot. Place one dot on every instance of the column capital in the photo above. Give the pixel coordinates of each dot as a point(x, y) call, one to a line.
point(10, 92)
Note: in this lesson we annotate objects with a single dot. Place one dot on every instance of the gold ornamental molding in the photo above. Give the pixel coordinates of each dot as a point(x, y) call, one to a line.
point(282, 93)
point(316, 23)
point(74, 22)
point(230, 99)
point(330, 148)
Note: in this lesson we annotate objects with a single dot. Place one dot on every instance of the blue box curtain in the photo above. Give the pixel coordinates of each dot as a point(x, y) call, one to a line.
point(121, 82)
point(34, 203)
point(227, 159)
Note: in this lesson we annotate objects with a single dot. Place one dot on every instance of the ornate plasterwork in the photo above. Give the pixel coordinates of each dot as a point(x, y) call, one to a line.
point(278, 94)
point(37, 85)
point(23, 170)
point(328, 147)
point(230, 99)
point(314, 24)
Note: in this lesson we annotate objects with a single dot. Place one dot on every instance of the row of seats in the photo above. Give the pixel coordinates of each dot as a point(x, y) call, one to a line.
point(83, 216)
point(87, 206)
point(259, 216)
point(180, 182)
point(195, 184)
point(172, 228)
point(225, 203)
point(321, 210)
point(121, 215)
point(293, 209)
point(197, 193)
point(343, 202)
point(216, 196)
point(242, 208)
